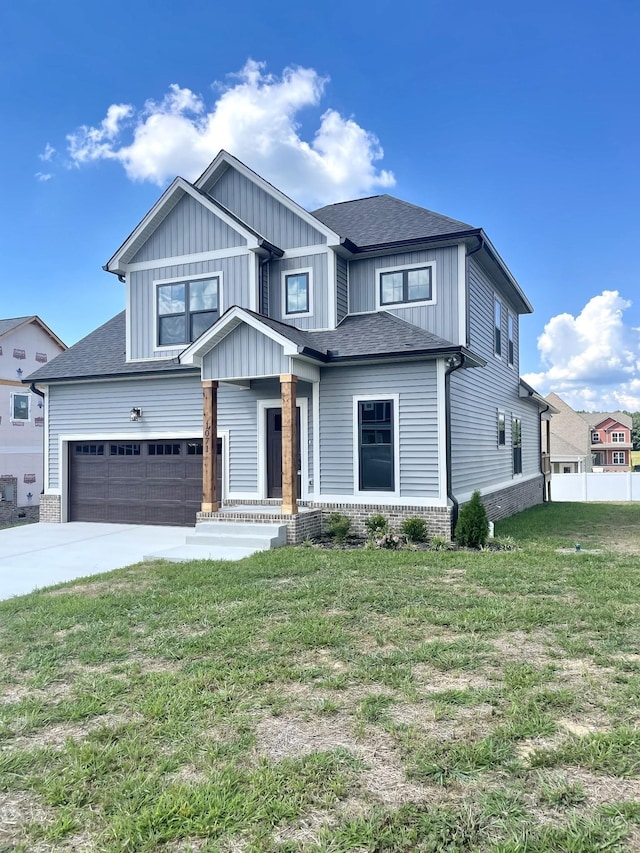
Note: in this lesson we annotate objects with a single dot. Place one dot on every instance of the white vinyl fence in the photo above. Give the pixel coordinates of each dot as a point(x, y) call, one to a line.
point(624, 486)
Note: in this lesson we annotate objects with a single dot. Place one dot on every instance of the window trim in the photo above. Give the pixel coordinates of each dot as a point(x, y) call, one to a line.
point(516, 419)
point(497, 326)
point(183, 279)
point(621, 453)
point(380, 397)
point(385, 306)
point(12, 410)
point(621, 437)
point(502, 414)
point(595, 437)
point(284, 274)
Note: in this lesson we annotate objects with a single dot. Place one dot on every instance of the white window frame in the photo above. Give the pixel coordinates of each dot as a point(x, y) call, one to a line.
point(595, 437)
point(389, 306)
point(618, 437)
point(516, 419)
point(621, 460)
point(283, 289)
point(182, 279)
point(498, 343)
point(501, 414)
point(357, 491)
point(12, 411)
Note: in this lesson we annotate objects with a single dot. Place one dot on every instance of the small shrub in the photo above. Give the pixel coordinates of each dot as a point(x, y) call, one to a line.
point(337, 526)
point(472, 529)
point(439, 543)
point(415, 529)
point(505, 543)
point(390, 540)
point(376, 525)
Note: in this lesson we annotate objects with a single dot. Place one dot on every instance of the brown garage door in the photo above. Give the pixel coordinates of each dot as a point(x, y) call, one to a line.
point(137, 482)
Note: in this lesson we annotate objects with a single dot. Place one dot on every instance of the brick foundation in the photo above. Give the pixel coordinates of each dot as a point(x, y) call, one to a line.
point(50, 508)
point(437, 519)
point(513, 499)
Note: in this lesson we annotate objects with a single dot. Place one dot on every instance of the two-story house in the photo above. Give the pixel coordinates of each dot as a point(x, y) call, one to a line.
point(26, 343)
point(589, 441)
point(361, 358)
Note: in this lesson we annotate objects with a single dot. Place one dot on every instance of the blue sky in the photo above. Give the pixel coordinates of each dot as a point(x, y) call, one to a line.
point(520, 118)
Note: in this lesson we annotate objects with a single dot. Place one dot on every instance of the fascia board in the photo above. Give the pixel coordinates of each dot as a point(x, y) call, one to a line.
point(225, 158)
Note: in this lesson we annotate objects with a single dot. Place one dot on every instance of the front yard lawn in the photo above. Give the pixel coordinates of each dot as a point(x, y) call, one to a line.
point(313, 700)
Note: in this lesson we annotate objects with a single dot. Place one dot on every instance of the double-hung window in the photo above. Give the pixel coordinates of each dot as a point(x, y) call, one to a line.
point(617, 437)
point(186, 309)
point(296, 292)
point(618, 457)
point(516, 443)
point(376, 445)
point(595, 437)
point(413, 284)
point(20, 407)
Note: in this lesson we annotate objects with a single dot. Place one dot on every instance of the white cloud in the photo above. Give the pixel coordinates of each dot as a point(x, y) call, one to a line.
point(43, 176)
point(47, 154)
point(255, 118)
point(593, 360)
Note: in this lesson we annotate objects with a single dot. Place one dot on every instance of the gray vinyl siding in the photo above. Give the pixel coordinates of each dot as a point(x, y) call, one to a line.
point(102, 408)
point(342, 288)
point(440, 318)
point(478, 393)
point(189, 228)
point(167, 403)
point(416, 384)
point(263, 213)
point(319, 318)
point(245, 352)
point(235, 291)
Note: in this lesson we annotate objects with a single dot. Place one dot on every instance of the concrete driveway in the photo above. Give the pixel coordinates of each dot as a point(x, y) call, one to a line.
point(37, 555)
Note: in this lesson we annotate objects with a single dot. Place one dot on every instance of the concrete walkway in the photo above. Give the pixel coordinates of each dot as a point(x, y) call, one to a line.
point(37, 555)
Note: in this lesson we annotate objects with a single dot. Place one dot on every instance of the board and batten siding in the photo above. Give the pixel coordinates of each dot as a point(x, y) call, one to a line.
point(318, 264)
point(416, 384)
point(342, 288)
point(189, 228)
point(262, 212)
point(440, 318)
point(245, 352)
point(477, 394)
point(235, 291)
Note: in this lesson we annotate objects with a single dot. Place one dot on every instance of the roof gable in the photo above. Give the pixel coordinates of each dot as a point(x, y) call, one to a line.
point(11, 325)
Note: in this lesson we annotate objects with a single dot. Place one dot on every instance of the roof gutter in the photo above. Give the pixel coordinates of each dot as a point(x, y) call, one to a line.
point(453, 365)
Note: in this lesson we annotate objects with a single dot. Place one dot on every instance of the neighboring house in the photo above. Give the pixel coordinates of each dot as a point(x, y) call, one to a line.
point(26, 343)
point(362, 358)
point(589, 441)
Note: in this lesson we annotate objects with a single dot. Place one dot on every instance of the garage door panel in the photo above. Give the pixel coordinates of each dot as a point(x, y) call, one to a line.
point(136, 482)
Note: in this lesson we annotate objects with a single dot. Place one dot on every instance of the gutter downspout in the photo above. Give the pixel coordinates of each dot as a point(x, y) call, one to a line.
point(453, 365)
point(545, 497)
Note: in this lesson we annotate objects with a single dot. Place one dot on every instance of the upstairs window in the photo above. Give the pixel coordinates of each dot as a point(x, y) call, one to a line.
point(618, 437)
point(20, 408)
point(186, 309)
point(510, 328)
point(497, 331)
point(516, 443)
point(595, 437)
point(413, 284)
point(297, 292)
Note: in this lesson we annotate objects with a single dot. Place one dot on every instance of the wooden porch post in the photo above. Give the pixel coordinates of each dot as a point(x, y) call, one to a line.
point(209, 446)
point(289, 444)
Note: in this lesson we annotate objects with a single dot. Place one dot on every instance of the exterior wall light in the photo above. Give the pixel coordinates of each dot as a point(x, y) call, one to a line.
point(135, 414)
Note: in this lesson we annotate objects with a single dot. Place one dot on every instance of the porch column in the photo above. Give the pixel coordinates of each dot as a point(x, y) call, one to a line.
point(289, 444)
point(209, 446)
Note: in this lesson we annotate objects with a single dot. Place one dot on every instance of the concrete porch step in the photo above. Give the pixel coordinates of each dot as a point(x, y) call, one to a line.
point(238, 534)
point(185, 553)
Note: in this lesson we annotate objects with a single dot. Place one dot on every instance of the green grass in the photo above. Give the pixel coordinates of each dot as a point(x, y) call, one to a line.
point(311, 700)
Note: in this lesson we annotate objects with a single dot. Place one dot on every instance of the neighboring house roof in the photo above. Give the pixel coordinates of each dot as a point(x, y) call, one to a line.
point(10, 325)
point(382, 219)
point(565, 450)
point(594, 419)
point(101, 354)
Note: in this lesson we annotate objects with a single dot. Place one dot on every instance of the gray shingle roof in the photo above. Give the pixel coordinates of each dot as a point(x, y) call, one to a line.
point(8, 325)
point(595, 418)
point(101, 354)
point(382, 219)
